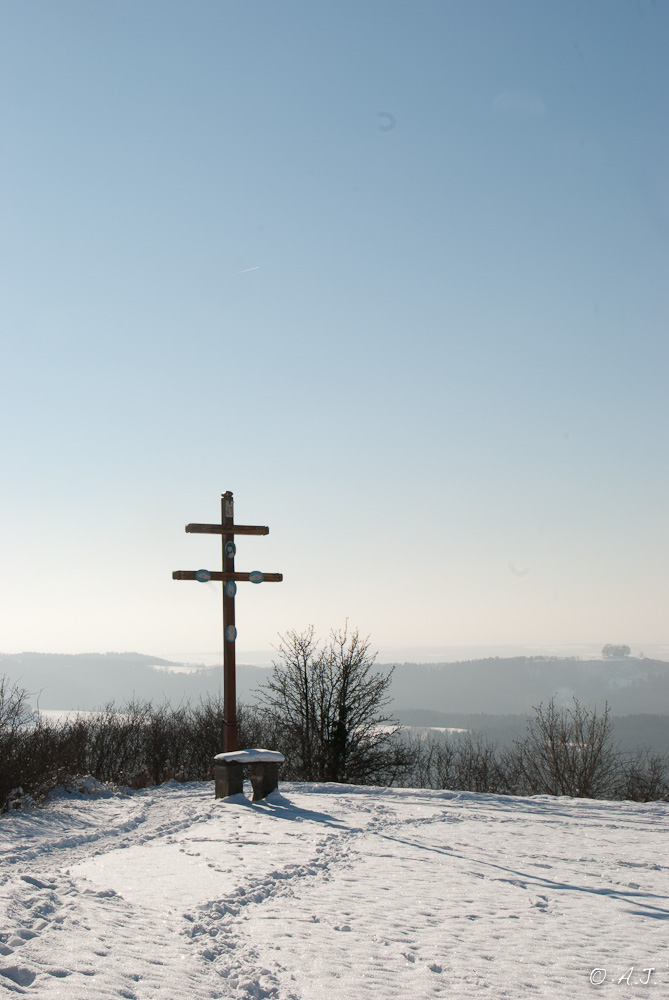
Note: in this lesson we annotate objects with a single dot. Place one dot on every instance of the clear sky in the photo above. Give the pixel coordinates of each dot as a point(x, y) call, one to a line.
point(395, 273)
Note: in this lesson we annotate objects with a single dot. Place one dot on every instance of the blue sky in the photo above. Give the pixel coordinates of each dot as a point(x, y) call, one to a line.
point(394, 273)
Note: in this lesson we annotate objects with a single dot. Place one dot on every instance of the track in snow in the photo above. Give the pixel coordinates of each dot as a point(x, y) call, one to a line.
point(331, 891)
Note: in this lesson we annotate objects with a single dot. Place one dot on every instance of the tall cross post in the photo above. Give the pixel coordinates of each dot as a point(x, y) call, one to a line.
point(229, 630)
point(228, 576)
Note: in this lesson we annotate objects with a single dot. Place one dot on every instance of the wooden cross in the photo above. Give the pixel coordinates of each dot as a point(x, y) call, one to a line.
point(228, 529)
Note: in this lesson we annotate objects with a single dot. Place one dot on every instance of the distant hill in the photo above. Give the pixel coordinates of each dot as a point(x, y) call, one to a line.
point(491, 686)
point(89, 680)
point(496, 686)
point(630, 731)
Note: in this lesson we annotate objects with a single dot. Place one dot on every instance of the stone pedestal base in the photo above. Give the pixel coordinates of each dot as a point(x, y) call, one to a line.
point(264, 765)
point(264, 779)
point(228, 780)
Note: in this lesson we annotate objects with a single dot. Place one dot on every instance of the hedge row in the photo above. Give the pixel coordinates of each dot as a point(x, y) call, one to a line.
point(566, 751)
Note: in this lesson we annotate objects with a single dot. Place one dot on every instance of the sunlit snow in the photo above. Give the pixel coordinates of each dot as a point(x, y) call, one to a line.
point(331, 891)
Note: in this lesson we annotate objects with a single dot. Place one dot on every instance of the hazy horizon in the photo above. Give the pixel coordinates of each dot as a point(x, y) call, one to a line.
point(445, 654)
point(384, 655)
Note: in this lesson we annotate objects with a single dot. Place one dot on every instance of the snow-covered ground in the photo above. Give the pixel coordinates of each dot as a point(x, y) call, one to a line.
point(326, 891)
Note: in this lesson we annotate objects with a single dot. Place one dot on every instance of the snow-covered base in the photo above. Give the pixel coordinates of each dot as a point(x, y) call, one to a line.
point(258, 756)
point(335, 893)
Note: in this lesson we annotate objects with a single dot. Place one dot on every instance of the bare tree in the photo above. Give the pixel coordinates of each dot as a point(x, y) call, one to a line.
point(15, 714)
point(567, 751)
point(326, 706)
point(15, 711)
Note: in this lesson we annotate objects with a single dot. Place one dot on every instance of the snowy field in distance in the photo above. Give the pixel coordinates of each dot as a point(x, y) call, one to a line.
point(331, 891)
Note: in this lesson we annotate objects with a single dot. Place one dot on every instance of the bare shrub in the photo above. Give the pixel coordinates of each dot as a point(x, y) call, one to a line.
point(644, 778)
point(567, 751)
point(477, 765)
point(113, 741)
point(422, 750)
point(468, 762)
point(165, 739)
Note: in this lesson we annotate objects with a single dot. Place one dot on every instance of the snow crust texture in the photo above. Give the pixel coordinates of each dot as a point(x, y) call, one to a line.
point(327, 891)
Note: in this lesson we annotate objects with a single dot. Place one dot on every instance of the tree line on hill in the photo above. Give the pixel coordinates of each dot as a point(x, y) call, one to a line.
point(325, 707)
point(493, 686)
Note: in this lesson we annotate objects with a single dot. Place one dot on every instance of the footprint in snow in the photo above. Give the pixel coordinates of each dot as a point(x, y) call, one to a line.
point(18, 938)
point(37, 882)
point(18, 974)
